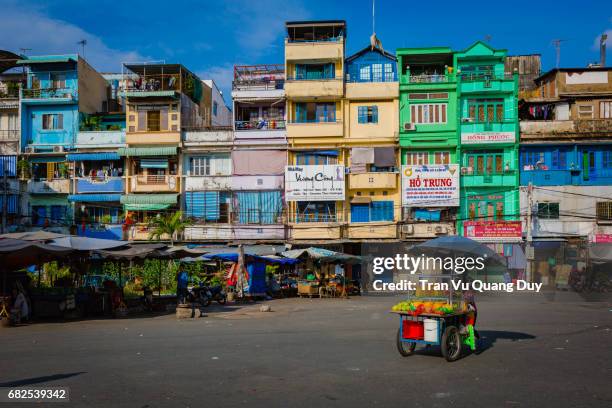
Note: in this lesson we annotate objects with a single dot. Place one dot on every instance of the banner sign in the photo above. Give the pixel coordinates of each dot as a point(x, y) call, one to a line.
point(493, 230)
point(430, 185)
point(488, 137)
point(603, 238)
point(314, 183)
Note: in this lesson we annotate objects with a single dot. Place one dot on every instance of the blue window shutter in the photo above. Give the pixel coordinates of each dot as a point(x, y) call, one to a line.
point(360, 213)
point(382, 210)
point(374, 114)
point(300, 71)
point(361, 117)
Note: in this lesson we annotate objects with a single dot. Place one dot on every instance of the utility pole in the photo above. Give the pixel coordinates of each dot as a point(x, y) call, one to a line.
point(4, 193)
point(557, 44)
point(529, 247)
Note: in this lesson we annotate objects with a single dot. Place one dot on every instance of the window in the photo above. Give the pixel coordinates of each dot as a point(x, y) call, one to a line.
point(605, 110)
point(486, 110)
point(372, 212)
point(58, 81)
point(377, 72)
point(39, 213)
point(486, 208)
point(315, 112)
point(607, 159)
point(438, 95)
point(153, 121)
point(210, 165)
point(484, 162)
point(604, 210)
point(364, 73)
point(442, 158)
point(367, 114)
point(476, 72)
point(417, 158)
point(585, 111)
point(57, 213)
point(315, 71)
point(548, 210)
point(13, 123)
point(258, 207)
point(428, 113)
point(215, 107)
point(208, 206)
point(389, 75)
point(315, 159)
point(558, 161)
point(320, 211)
point(53, 121)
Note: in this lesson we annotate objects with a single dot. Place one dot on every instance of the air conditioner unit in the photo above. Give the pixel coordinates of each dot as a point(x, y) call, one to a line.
point(58, 149)
point(407, 229)
point(441, 229)
point(409, 126)
point(29, 150)
point(467, 119)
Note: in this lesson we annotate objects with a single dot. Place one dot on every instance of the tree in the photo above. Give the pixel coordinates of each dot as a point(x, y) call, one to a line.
point(168, 224)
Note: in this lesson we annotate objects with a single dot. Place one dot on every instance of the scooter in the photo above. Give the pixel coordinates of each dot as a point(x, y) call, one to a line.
point(199, 294)
point(218, 294)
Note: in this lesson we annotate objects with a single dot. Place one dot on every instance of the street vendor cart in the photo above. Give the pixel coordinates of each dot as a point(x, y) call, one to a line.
point(436, 320)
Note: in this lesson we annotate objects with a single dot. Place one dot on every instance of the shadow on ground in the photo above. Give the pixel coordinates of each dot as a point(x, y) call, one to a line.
point(38, 380)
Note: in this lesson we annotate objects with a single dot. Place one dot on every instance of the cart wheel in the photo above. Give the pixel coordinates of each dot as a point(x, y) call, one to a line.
point(405, 349)
point(451, 344)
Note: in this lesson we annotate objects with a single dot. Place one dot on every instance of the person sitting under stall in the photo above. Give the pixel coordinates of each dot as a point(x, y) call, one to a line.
point(20, 311)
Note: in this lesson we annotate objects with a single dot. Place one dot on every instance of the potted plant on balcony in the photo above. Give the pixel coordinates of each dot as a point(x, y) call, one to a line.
point(63, 170)
point(168, 224)
point(23, 168)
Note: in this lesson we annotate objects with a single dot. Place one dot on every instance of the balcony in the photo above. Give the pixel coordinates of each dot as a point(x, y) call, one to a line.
point(50, 138)
point(314, 88)
point(565, 129)
point(258, 81)
point(55, 95)
point(372, 230)
point(226, 232)
point(100, 139)
point(100, 185)
point(372, 90)
point(261, 182)
point(550, 177)
point(141, 232)
point(102, 231)
point(487, 83)
point(56, 186)
point(469, 178)
point(154, 183)
point(488, 132)
point(267, 129)
point(315, 129)
point(203, 183)
point(373, 181)
point(10, 135)
point(315, 231)
point(331, 49)
point(206, 137)
point(412, 230)
point(153, 138)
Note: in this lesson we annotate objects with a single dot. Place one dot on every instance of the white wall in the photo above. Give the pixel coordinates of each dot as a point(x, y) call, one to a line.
point(224, 114)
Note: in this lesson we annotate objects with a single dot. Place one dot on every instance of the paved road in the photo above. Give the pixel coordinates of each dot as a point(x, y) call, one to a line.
point(325, 352)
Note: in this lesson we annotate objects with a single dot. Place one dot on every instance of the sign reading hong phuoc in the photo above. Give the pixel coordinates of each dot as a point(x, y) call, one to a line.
point(314, 183)
point(430, 185)
point(487, 137)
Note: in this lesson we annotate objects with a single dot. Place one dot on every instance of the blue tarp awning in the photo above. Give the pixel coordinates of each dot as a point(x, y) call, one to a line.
point(154, 163)
point(47, 159)
point(92, 198)
point(99, 156)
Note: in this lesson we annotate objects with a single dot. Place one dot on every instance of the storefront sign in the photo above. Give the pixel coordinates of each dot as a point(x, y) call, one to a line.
point(430, 186)
point(493, 230)
point(603, 238)
point(314, 183)
point(487, 137)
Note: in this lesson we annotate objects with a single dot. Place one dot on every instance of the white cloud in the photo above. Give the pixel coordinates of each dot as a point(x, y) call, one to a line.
point(260, 25)
point(29, 27)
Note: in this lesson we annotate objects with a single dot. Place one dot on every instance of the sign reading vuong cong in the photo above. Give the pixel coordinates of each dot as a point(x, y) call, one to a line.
point(430, 185)
point(314, 183)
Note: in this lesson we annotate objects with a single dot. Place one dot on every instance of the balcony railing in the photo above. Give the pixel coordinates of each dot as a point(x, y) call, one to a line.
point(153, 179)
point(416, 79)
point(313, 77)
point(267, 124)
point(303, 218)
point(154, 183)
point(306, 121)
point(385, 78)
point(486, 77)
point(49, 93)
point(11, 134)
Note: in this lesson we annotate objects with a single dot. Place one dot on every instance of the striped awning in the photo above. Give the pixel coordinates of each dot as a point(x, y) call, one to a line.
point(11, 203)
point(154, 163)
point(149, 199)
point(147, 151)
point(47, 159)
point(99, 156)
point(93, 198)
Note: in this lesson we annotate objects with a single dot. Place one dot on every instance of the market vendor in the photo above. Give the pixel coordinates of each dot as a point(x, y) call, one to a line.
point(182, 280)
point(20, 311)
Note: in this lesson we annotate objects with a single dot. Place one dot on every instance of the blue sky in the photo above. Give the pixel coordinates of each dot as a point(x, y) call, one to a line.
point(210, 36)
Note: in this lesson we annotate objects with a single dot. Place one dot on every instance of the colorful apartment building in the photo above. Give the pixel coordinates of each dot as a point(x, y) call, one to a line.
point(59, 90)
point(566, 155)
point(488, 145)
point(428, 130)
point(370, 141)
point(314, 88)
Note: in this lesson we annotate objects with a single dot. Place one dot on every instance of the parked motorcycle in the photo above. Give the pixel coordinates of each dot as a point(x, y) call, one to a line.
point(199, 294)
point(218, 293)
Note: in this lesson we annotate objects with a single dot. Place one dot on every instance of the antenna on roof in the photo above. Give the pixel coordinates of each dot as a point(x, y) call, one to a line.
point(374, 41)
point(557, 44)
point(83, 43)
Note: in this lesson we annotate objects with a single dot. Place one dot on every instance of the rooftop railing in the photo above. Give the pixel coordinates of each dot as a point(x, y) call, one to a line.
point(264, 124)
point(48, 93)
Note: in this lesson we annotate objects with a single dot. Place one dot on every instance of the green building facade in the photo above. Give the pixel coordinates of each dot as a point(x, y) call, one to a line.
point(488, 144)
